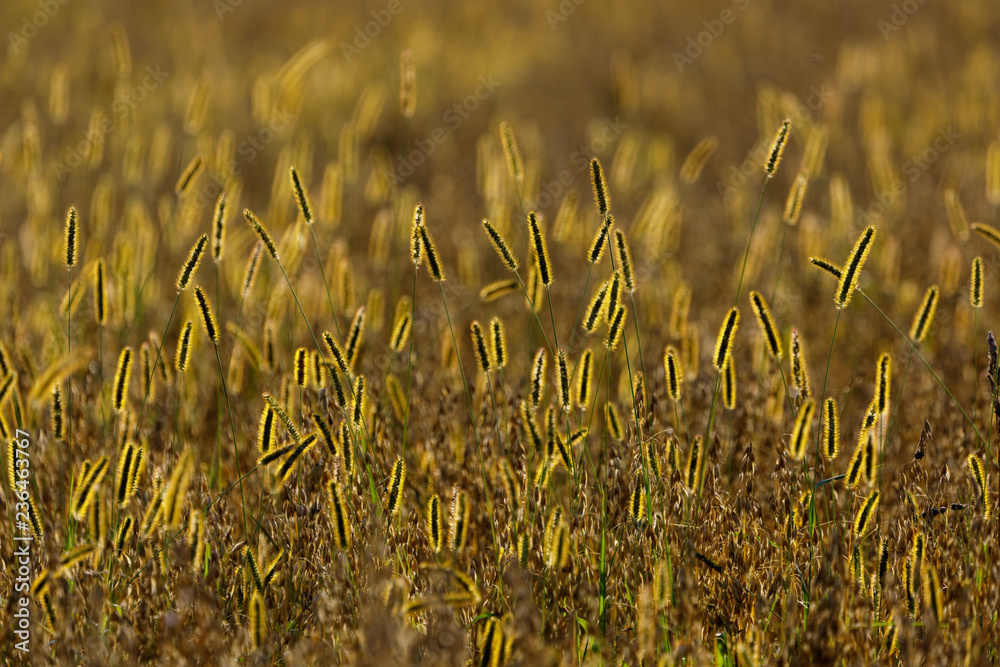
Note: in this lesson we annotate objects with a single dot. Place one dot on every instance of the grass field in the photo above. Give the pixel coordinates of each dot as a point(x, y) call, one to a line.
point(525, 333)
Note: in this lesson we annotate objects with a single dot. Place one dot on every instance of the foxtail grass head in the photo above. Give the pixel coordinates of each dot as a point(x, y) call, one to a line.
point(852, 268)
point(777, 148)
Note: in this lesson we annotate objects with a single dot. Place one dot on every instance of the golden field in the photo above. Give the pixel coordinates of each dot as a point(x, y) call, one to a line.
point(528, 333)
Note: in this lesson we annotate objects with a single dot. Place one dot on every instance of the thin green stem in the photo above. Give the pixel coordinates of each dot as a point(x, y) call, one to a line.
point(232, 427)
point(322, 272)
point(475, 431)
point(926, 364)
point(746, 253)
point(142, 406)
point(409, 362)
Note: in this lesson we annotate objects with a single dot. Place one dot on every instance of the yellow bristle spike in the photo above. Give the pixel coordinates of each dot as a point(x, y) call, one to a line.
point(301, 367)
point(925, 316)
point(539, 250)
point(585, 380)
point(729, 384)
point(793, 204)
point(71, 239)
point(831, 429)
point(766, 321)
point(433, 519)
point(189, 175)
point(600, 184)
point(397, 479)
point(122, 376)
point(301, 196)
point(479, 347)
point(696, 160)
point(191, 264)
point(500, 245)
point(674, 373)
point(800, 434)
point(207, 316)
point(341, 520)
point(866, 514)
point(219, 228)
point(777, 148)
point(800, 372)
point(852, 268)
point(724, 341)
point(979, 474)
point(976, 283)
point(511, 153)
point(883, 384)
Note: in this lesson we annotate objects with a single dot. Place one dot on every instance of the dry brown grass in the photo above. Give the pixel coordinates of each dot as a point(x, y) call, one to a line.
point(456, 509)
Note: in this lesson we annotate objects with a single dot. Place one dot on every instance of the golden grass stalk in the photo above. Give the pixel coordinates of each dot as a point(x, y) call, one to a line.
point(601, 196)
point(767, 325)
point(511, 152)
point(982, 487)
point(956, 215)
point(831, 429)
point(70, 239)
point(600, 241)
point(395, 496)
point(458, 526)
point(585, 380)
point(925, 316)
point(122, 376)
point(777, 148)
point(189, 175)
point(500, 245)
point(724, 341)
point(540, 252)
point(339, 514)
point(692, 471)
point(479, 347)
point(696, 160)
point(976, 283)
point(616, 329)
point(495, 290)
point(793, 203)
point(729, 384)
point(800, 373)
point(416, 241)
point(407, 85)
point(183, 347)
point(301, 196)
point(498, 343)
point(800, 433)
point(852, 268)
point(625, 261)
point(207, 316)
point(434, 522)
point(562, 374)
point(219, 228)
point(866, 514)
